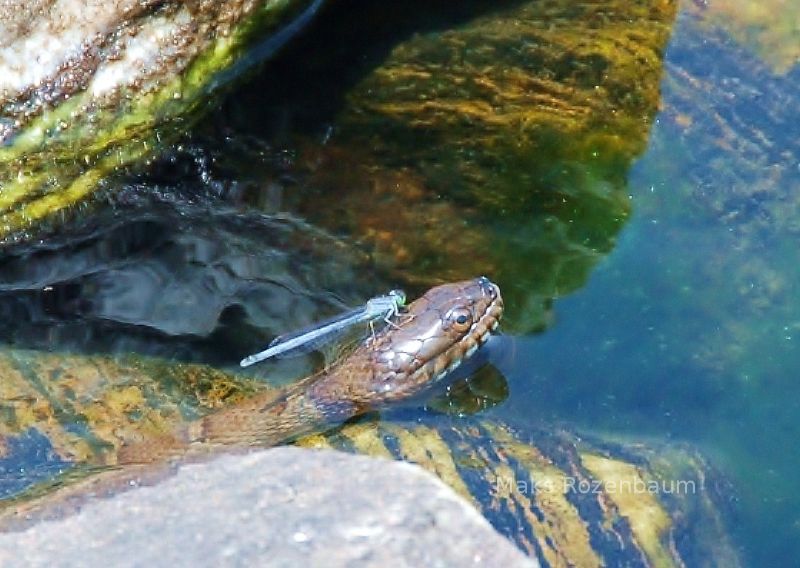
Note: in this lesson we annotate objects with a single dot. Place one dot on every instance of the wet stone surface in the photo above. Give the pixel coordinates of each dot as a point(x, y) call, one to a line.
point(287, 506)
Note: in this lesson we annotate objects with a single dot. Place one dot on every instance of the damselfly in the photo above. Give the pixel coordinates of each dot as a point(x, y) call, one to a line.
point(378, 307)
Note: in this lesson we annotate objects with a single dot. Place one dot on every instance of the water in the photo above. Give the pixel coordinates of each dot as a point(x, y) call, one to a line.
point(649, 258)
point(689, 328)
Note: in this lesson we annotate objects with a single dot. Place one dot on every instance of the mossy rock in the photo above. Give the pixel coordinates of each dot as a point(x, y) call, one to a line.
point(562, 498)
point(525, 117)
point(89, 105)
point(499, 145)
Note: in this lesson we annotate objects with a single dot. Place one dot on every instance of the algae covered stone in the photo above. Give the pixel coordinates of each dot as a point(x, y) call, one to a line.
point(501, 144)
point(564, 499)
point(87, 88)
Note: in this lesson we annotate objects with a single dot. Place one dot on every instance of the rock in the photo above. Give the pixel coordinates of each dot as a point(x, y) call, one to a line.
point(88, 88)
point(196, 275)
point(288, 505)
point(518, 122)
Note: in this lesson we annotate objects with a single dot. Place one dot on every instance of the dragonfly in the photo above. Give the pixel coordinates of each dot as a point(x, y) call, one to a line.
point(380, 307)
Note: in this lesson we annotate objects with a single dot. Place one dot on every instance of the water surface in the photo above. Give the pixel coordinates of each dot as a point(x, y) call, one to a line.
point(689, 328)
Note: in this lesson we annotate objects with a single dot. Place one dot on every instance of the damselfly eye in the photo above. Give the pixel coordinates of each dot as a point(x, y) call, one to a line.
point(460, 319)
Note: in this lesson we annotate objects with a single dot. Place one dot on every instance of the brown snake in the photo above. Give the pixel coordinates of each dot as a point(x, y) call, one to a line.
point(437, 332)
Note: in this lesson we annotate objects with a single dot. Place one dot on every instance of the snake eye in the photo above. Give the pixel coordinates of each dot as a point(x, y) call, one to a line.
point(460, 319)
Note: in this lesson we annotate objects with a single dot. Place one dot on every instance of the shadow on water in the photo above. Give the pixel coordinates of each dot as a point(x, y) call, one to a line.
point(306, 87)
point(163, 275)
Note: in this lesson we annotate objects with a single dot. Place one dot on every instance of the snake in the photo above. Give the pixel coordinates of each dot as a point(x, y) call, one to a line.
point(487, 462)
point(433, 336)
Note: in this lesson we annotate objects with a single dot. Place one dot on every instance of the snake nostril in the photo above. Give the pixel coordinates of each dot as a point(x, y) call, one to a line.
point(486, 285)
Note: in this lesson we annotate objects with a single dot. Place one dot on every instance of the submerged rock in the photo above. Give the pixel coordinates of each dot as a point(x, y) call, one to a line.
point(562, 498)
point(566, 499)
point(768, 28)
point(498, 144)
point(730, 166)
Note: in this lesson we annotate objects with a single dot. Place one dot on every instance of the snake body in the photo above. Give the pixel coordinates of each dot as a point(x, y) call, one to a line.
point(436, 333)
point(439, 330)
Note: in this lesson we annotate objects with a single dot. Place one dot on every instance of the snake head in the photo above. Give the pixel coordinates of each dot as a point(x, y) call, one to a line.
point(437, 332)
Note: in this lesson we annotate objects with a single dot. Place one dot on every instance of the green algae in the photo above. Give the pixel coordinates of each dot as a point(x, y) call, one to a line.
point(62, 156)
point(88, 406)
point(511, 134)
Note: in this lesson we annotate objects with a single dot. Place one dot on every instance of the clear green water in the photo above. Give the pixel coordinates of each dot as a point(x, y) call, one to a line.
point(690, 328)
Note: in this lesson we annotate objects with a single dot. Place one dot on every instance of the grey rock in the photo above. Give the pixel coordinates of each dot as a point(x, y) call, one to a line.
point(278, 507)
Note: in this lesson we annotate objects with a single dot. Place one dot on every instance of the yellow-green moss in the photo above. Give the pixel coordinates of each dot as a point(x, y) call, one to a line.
point(61, 156)
point(499, 146)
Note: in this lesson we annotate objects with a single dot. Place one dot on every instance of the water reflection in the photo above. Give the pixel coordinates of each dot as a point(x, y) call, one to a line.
point(170, 272)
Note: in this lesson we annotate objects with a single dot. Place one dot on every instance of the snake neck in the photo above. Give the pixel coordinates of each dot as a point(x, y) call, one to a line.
point(274, 418)
point(264, 420)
